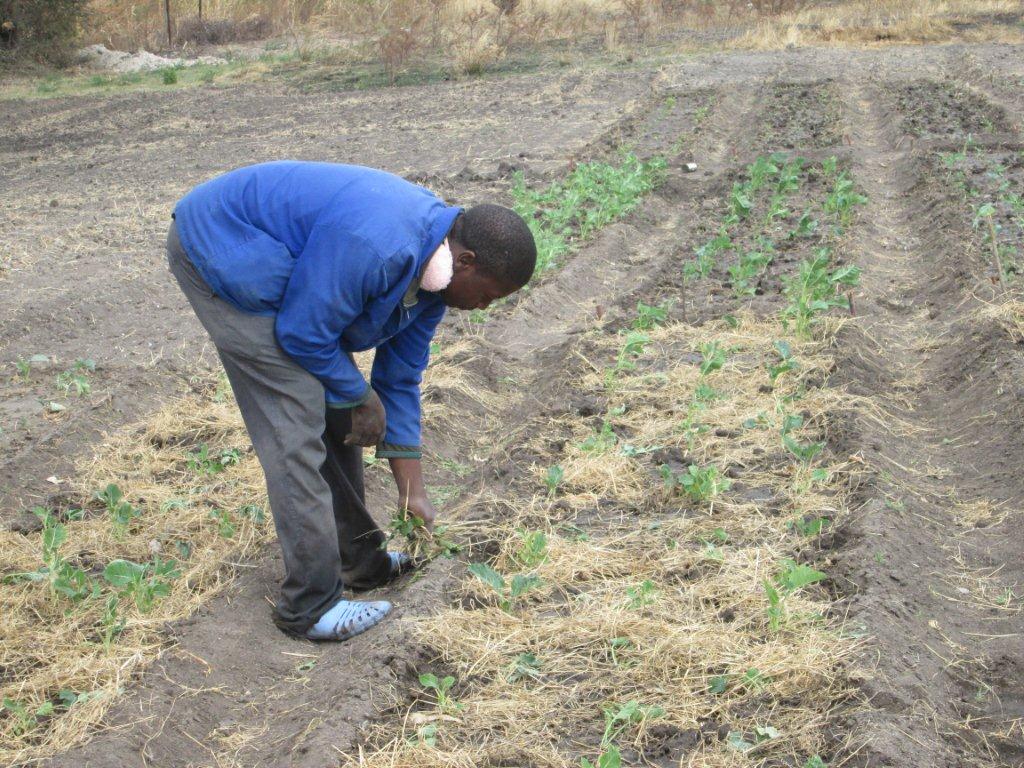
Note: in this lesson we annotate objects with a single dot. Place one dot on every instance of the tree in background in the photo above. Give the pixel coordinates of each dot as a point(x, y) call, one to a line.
point(41, 30)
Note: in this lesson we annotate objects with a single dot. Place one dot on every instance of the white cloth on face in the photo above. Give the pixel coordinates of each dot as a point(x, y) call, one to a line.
point(439, 270)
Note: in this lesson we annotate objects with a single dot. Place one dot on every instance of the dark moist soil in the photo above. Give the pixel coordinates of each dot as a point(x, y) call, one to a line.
point(84, 278)
point(941, 109)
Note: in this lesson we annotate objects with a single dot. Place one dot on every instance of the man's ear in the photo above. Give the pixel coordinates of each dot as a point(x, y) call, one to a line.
point(464, 259)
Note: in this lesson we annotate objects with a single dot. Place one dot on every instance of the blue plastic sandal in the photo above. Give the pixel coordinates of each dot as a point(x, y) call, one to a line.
point(348, 618)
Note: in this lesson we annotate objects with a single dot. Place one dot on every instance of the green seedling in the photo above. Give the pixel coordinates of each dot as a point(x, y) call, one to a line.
point(701, 484)
point(553, 478)
point(740, 204)
point(254, 512)
point(602, 441)
point(718, 684)
point(776, 210)
point(642, 595)
point(26, 720)
point(120, 511)
point(507, 592)
point(815, 762)
point(169, 76)
point(618, 717)
point(617, 644)
point(525, 667)
point(426, 735)
point(738, 740)
point(441, 689)
point(111, 622)
point(610, 758)
point(77, 378)
point(592, 196)
point(986, 213)
point(713, 357)
point(533, 549)
point(24, 366)
point(830, 167)
point(204, 462)
point(754, 679)
point(648, 317)
point(789, 176)
point(814, 290)
point(707, 255)
point(809, 526)
point(61, 577)
point(634, 346)
point(142, 582)
point(759, 172)
point(225, 527)
point(791, 579)
point(805, 227)
point(786, 364)
point(843, 199)
point(746, 274)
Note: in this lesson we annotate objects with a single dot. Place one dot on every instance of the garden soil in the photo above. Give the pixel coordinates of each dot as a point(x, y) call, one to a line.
point(934, 538)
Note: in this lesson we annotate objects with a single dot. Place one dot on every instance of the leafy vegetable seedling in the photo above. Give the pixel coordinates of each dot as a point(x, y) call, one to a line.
point(441, 688)
point(142, 582)
point(507, 592)
point(62, 578)
point(699, 483)
point(121, 512)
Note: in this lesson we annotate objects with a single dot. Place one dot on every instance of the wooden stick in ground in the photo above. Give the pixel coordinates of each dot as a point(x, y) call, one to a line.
point(994, 242)
point(167, 13)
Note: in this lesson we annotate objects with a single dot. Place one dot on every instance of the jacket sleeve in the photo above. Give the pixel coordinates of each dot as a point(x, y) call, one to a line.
point(397, 370)
point(333, 277)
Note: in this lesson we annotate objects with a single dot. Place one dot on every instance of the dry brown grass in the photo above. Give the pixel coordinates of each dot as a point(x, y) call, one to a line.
point(49, 644)
point(867, 22)
point(610, 528)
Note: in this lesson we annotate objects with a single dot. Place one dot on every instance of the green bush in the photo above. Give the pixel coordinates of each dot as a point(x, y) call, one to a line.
point(41, 30)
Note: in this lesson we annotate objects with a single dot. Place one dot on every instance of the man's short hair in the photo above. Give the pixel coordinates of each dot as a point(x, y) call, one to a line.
point(501, 240)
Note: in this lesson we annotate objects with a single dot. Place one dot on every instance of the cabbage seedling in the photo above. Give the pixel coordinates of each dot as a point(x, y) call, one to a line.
point(143, 582)
point(120, 511)
point(507, 592)
point(713, 357)
point(60, 576)
point(700, 484)
point(553, 479)
point(441, 688)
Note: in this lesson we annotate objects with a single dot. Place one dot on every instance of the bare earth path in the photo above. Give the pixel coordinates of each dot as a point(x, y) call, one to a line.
point(83, 278)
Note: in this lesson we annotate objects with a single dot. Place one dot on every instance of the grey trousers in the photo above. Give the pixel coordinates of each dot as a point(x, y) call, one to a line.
point(314, 481)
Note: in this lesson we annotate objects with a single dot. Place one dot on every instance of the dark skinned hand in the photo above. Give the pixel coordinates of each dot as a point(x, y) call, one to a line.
point(368, 423)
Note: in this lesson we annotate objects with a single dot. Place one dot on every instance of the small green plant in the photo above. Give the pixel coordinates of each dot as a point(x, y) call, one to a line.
point(553, 478)
point(610, 757)
point(225, 527)
point(815, 762)
point(169, 76)
point(507, 591)
point(525, 667)
point(786, 362)
point(633, 347)
point(533, 549)
point(814, 290)
point(617, 645)
point(746, 274)
point(142, 582)
point(648, 316)
point(120, 511)
point(642, 595)
point(602, 441)
point(112, 624)
point(77, 378)
point(739, 741)
point(707, 255)
point(203, 462)
point(27, 720)
point(740, 204)
point(792, 578)
point(618, 717)
point(441, 689)
point(806, 226)
point(762, 169)
point(843, 199)
point(592, 196)
point(713, 357)
point(701, 484)
point(61, 577)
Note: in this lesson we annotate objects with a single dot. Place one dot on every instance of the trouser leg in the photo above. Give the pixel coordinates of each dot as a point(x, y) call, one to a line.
point(282, 406)
point(365, 562)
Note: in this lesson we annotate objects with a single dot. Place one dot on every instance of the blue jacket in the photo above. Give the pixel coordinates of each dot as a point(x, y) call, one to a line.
point(335, 253)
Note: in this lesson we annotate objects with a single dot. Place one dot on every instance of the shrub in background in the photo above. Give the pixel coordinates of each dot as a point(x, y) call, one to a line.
point(42, 30)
